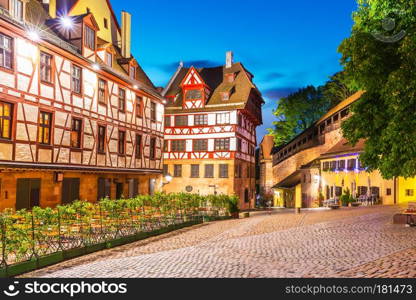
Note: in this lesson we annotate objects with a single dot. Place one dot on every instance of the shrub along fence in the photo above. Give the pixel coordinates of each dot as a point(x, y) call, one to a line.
point(41, 237)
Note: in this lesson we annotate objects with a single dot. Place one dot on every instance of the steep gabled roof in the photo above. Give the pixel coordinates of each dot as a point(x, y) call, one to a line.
point(36, 14)
point(241, 89)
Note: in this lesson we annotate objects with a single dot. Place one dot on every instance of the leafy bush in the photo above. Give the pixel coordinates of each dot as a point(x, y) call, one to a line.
point(42, 231)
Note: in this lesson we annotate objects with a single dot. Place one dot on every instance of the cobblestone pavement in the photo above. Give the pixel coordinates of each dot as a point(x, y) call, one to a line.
point(358, 242)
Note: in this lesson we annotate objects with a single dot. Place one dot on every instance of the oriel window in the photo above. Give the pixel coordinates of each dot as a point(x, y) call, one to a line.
point(6, 111)
point(121, 142)
point(76, 79)
point(89, 38)
point(45, 67)
point(101, 138)
point(76, 133)
point(45, 124)
point(6, 52)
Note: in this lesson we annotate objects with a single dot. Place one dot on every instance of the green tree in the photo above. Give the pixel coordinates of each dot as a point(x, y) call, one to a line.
point(297, 112)
point(380, 58)
point(300, 110)
point(338, 88)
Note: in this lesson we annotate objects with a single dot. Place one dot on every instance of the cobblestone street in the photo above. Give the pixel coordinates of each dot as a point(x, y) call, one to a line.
point(359, 242)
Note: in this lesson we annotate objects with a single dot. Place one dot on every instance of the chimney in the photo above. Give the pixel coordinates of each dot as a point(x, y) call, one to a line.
point(126, 34)
point(50, 6)
point(229, 59)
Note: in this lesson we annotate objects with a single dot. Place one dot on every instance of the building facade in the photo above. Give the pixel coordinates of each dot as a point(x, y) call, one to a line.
point(265, 161)
point(210, 131)
point(296, 166)
point(79, 118)
point(320, 164)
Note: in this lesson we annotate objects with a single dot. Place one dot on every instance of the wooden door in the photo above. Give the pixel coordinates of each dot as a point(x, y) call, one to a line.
point(70, 190)
point(119, 190)
point(133, 188)
point(104, 188)
point(28, 193)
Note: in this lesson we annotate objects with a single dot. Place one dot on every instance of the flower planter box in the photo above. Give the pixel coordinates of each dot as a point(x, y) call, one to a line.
point(72, 253)
point(21, 268)
point(355, 204)
point(95, 248)
point(50, 259)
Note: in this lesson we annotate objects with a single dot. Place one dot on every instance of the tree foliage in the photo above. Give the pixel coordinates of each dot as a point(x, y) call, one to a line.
point(302, 109)
point(381, 61)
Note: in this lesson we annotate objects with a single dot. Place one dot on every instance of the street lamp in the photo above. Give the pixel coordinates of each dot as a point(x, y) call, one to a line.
point(168, 179)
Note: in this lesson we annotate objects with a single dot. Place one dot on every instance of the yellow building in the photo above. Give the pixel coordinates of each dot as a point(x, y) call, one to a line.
point(319, 165)
point(341, 170)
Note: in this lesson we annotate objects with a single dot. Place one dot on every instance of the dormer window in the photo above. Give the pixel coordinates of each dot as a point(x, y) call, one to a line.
point(193, 95)
point(132, 72)
point(16, 9)
point(225, 96)
point(89, 38)
point(230, 77)
point(109, 59)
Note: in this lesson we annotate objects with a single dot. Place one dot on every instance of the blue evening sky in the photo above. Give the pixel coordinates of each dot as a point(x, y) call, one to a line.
point(285, 44)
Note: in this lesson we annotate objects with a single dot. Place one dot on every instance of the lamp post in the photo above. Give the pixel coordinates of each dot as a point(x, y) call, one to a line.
point(215, 188)
point(168, 179)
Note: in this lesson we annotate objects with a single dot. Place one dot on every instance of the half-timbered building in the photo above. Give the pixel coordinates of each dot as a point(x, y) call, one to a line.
point(79, 118)
point(210, 131)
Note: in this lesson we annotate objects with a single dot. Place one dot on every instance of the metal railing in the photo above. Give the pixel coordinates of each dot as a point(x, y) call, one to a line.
point(27, 235)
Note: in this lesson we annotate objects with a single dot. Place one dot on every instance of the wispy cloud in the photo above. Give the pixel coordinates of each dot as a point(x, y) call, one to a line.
point(278, 93)
point(273, 76)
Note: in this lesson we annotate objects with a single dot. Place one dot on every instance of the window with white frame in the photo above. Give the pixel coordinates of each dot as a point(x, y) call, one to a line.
point(109, 59)
point(223, 118)
point(16, 9)
point(6, 52)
